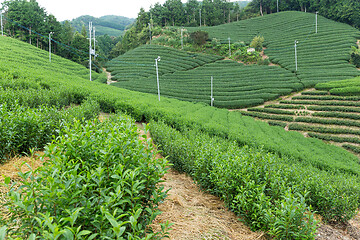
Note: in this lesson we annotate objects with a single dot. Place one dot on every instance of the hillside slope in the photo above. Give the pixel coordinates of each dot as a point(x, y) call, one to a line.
point(322, 56)
point(110, 24)
point(302, 171)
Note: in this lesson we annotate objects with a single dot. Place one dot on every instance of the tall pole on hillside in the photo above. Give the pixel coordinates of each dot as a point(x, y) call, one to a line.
point(229, 47)
point(90, 48)
point(316, 19)
point(150, 32)
point(296, 65)
point(50, 46)
point(94, 44)
point(277, 5)
point(211, 93)
point(157, 75)
point(200, 16)
point(2, 26)
point(182, 40)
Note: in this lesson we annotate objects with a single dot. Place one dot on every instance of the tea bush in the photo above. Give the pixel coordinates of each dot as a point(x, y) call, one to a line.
point(271, 193)
point(99, 181)
point(23, 128)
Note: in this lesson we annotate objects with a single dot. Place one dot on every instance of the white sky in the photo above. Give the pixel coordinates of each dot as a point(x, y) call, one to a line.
point(70, 9)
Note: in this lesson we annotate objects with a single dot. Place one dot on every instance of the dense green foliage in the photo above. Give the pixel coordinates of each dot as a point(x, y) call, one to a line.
point(322, 57)
point(139, 63)
point(270, 193)
point(335, 116)
point(213, 12)
point(326, 160)
point(237, 86)
point(348, 87)
point(346, 11)
point(99, 182)
point(234, 85)
point(27, 21)
point(22, 128)
point(106, 25)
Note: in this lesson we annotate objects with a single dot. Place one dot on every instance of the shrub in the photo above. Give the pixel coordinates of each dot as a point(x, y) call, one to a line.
point(99, 182)
point(199, 37)
point(257, 43)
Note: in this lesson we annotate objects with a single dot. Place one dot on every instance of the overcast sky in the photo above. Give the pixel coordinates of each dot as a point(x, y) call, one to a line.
point(70, 9)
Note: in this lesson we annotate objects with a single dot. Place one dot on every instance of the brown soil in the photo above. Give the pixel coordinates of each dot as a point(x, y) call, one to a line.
point(196, 214)
point(11, 169)
point(109, 81)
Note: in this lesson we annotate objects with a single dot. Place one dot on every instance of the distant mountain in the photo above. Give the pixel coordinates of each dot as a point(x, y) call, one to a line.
point(243, 3)
point(110, 24)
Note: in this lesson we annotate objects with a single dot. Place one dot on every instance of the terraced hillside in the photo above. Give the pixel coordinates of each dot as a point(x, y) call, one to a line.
point(322, 57)
point(275, 176)
point(140, 62)
point(22, 64)
point(317, 114)
point(234, 85)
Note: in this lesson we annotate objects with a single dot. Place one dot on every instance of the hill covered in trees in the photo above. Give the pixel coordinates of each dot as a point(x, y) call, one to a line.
point(111, 25)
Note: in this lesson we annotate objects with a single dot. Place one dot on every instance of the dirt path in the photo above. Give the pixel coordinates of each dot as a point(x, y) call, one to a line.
point(195, 214)
point(108, 74)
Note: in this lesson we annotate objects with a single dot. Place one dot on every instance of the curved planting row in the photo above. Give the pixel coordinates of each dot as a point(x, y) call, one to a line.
point(327, 117)
point(140, 62)
point(234, 85)
point(322, 56)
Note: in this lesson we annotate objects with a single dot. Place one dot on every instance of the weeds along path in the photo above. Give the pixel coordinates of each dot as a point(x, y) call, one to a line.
point(195, 214)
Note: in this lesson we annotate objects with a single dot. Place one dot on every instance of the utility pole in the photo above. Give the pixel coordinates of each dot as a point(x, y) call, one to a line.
point(50, 46)
point(182, 41)
point(2, 26)
point(90, 48)
point(200, 16)
point(229, 47)
point(211, 96)
point(277, 5)
point(150, 32)
point(296, 65)
point(316, 19)
point(157, 75)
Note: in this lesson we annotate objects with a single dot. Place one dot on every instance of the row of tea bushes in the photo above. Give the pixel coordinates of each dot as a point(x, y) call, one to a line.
point(99, 181)
point(23, 128)
point(270, 193)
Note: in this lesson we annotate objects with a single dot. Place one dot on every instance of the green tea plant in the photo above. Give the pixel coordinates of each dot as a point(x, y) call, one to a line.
point(271, 193)
point(99, 182)
point(23, 128)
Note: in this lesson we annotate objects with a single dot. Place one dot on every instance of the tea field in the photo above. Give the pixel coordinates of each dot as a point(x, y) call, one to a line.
point(322, 57)
point(317, 114)
point(101, 174)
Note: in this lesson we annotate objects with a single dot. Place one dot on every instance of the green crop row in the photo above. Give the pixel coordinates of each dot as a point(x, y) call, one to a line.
point(335, 138)
point(258, 185)
point(315, 93)
point(337, 115)
point(354, 98)
point(284, 106)
point(339, 122)
point(23, 128)
point(353, 148)
point(276, 123)
point(334, 109)
point(270, 110)
point(322, 103)
point(302, 127)
point(267, 116)
point(99, 181)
